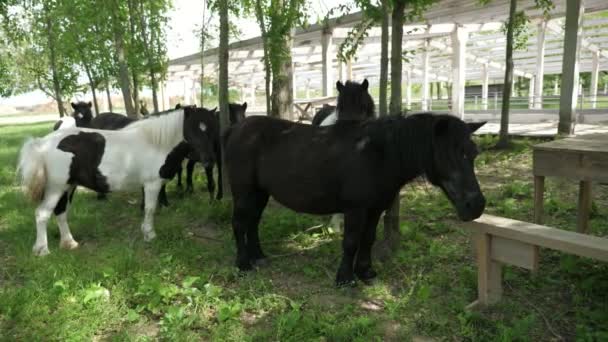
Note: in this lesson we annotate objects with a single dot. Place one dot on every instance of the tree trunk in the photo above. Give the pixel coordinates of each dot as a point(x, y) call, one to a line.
point(382, 108)
point(203, 28)
point(503, 141)
point(123, 68)
point(282, 90)
point(53, 62)
point(149, 51)
point(391, 218)
point(267, 67)
point(134, 71)
point(93, 86)
point(223, 84)
point(108, 95)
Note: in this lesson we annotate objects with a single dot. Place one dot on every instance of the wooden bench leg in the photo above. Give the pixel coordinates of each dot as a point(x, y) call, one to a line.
point(489, 276)
point(584, 206)
point(539, 194)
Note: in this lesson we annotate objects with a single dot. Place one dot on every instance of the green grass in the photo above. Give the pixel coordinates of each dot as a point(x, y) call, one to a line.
point(184, 286)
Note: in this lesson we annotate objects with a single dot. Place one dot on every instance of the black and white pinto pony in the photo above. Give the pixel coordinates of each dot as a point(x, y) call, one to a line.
point(237, 114)
point(141, 154)
point(355, 104)
point(352, 167)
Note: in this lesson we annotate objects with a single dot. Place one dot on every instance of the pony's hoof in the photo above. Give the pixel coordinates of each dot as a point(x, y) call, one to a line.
point(149, 236)
point(346, 283)
point(366, 275)
point(68, 244)
point(41, 250)
point(244, 266)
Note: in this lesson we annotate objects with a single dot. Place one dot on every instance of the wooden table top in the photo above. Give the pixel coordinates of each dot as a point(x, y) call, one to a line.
point(592, 143)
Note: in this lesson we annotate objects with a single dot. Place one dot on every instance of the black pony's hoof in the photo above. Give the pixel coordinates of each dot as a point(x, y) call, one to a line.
point(189, 189)
point(366, 275)
point(261, 262)
point(244, 266)
point(346, 283)
point(102, 197)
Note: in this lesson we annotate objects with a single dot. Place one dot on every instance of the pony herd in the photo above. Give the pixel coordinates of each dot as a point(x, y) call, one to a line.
point(347, 162)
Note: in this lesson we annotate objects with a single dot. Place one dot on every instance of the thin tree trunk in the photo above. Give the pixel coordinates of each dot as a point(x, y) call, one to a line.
point(123, 69)
point(503, 140)
point(108, 95)
point(383, 105)
point(93, 86)
point(53, 62)
point(282, 94)
point(391, 218)
point(203, 37)
point(223, 83)
point(267, 67)
point(134, 71)
point(149, 52)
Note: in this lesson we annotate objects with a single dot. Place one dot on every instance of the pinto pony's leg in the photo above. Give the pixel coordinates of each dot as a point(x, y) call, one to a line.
point(151, 191)
point(189, 172)
point(246, 215)
point(162, 196)
point(43, 213)
point(61, 212)
point(363, 263)
point(210, 180)
point(220, 187)
point(354, 223)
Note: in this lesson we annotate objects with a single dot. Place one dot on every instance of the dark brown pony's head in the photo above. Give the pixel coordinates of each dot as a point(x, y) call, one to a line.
point(83, 113)
point(201, 131)
point(354, 101)
point(237, 112)
point(452, 166)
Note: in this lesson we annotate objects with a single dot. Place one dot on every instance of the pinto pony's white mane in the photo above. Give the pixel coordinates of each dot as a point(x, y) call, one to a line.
point(165, 130)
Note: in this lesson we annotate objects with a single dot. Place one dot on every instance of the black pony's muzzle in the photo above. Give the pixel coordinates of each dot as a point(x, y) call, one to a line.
point(472, 207)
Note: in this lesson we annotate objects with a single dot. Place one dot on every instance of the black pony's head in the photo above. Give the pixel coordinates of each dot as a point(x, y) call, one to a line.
point(452, 166)
point(237, 112)
point(354, 101)
point(83, 113)
point(201, 131)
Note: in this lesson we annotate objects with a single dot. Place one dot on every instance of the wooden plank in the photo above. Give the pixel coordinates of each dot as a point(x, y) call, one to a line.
point(584, 206)
point(570, 242)
point(517, 253)
point(539, 198)
point(571, 165)
point(489, 272)
point(592, 143)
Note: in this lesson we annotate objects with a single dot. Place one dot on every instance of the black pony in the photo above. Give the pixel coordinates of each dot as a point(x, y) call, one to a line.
point(237, 114)
point(354, 103)
point(353, 167)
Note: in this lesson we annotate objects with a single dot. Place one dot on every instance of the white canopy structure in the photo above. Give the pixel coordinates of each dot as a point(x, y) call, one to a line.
point(457, 41)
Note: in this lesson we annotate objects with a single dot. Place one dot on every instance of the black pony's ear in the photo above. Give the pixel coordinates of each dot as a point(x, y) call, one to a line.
point(474, 126)
point(441, 127)
point(339, 86)
point(178, 106)
point(90, 104)
point(365, 84)
point(73, 105)
point(244, 105)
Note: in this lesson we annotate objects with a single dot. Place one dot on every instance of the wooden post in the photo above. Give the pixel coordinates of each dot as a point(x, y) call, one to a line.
point(489, 276)
point(327, 63)
point(584, 206)
point(539, 192)
point(540, 66)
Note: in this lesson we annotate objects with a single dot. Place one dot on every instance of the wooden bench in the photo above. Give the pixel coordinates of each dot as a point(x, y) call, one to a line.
point(501, 241)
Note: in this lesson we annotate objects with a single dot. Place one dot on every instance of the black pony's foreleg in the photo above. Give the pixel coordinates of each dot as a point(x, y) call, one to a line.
point(189, 172)
point(179, 175)
point(210, 180)
point(354, 224)
point(220, 186)
point(363, 263)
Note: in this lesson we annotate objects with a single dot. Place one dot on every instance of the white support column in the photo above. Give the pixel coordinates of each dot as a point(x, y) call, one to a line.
point(408, 89)
point(327, 62)
point(425, 75)
point(252, 99)
point(294, 82)
point(349, 70)
point(485, 83)
point(572, 42)
point(459, 43)
point(540, 65)
point(531, 87)
point(595, 72)
point(555, 88)
point(307, 88)
point(186, 91)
